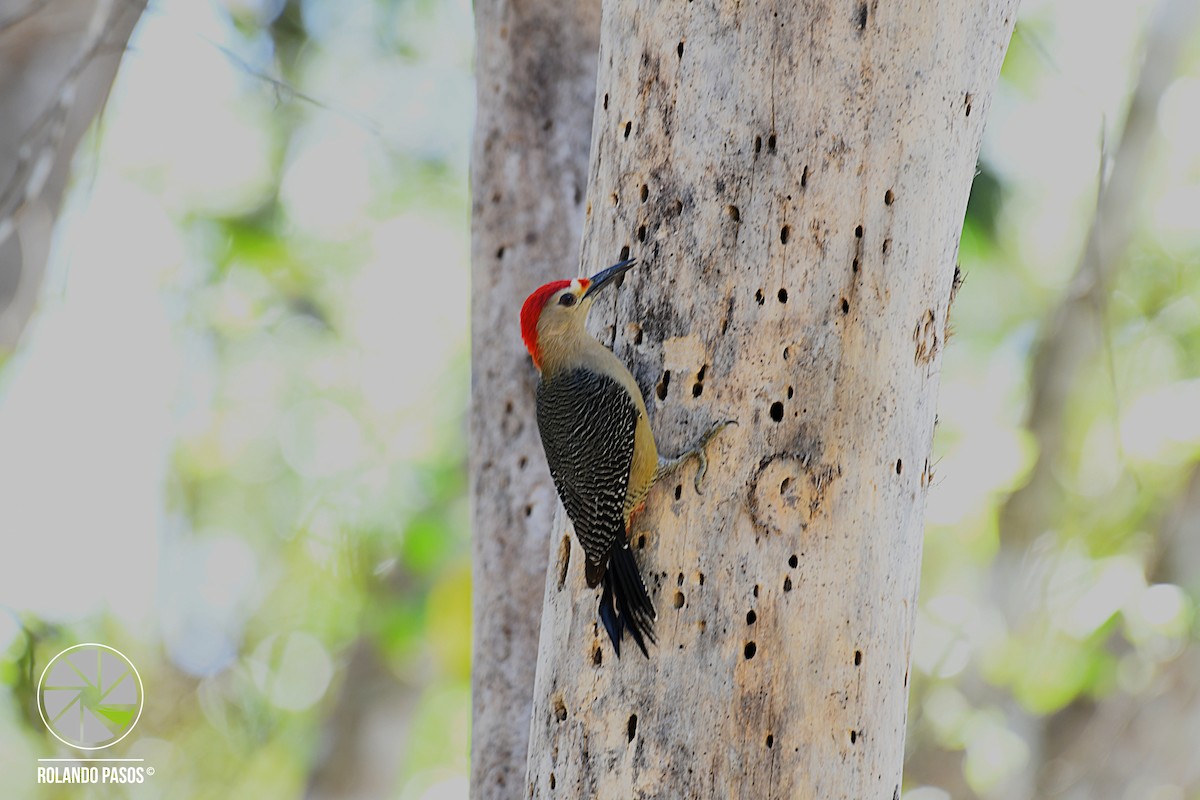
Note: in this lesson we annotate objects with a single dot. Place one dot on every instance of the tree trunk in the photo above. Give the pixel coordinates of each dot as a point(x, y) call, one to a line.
point(793, 178)
point(57, 63)
point(536, 79)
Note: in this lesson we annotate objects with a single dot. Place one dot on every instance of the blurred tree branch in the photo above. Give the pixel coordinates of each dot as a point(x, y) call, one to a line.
point(58, 59)
point(366, 730)
point(1158, 726)
point(1072, 336)
point(1074, 331)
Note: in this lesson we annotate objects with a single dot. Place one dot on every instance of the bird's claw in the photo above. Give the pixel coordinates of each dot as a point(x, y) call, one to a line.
point(703, 459)
point(702, 455)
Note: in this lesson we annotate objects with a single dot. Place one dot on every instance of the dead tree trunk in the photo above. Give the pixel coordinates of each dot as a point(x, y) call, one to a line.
point(536, 79)
point(793, 177)
point(57, 63)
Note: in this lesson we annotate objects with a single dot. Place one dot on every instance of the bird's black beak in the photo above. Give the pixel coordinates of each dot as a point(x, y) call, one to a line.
point(607, 276)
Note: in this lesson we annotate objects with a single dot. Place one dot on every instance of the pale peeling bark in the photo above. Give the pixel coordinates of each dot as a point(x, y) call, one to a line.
point(58, 59)
point(536, 78)
point(793, 177)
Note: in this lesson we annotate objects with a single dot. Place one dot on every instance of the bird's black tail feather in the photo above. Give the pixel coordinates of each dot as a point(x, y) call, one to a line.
point(624, 604)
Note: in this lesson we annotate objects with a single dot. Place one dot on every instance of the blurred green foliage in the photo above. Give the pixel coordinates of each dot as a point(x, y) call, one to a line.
point(315, 489)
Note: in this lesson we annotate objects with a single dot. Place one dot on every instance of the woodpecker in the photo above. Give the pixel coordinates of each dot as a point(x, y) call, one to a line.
point(598, 443)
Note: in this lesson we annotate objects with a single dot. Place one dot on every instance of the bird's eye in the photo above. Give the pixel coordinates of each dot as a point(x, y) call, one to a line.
point(567, 299)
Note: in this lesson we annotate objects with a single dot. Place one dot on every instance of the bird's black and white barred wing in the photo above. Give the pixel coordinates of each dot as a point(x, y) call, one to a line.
point(587, 423)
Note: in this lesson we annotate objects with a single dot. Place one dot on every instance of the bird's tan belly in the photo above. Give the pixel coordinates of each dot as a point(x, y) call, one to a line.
point(641, 472)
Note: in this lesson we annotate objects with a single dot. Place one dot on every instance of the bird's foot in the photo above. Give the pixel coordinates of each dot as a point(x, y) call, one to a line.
point(700, 450)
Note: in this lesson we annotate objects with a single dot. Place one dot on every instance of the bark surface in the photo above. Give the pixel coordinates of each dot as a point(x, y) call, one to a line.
point(793, 178)
point(536, 79)
point(58, 59)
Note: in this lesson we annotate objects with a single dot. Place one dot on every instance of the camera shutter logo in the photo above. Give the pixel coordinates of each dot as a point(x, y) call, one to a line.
point(90, 696)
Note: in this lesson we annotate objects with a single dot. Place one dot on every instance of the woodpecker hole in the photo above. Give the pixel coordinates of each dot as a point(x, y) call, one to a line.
point(862, 16)
point(679, 580)
point(755, 590)
point(899, 466)
point(679, 492)
point(853, 737)
point(522, 462)
point(679, 50)
point(760, 297)
point(858, 658)
point(858, 231)
point(645, 192)
point(887, 246)
point(698, 386)
point(597, 655)
point(733, 213)
point(845, 306)
point(770, 741)
point(641, 234)
point(500, 252)
point(889, 197)
point(564, 561)
point(551, 780)
point(782, 295)
point(793, 561)
point(606, 101)
point(787, 351)
point(854, 265)
point(758, 144)
point(641, 542)
point(777, 411)
point(787, 584)
point(624, 254)
point(679, 599)
point(628, 128)
point(528, 511)
point(508, 407)
point(790, 392)
point(700, 578)
point(750, 649)
point(784, 484)
point(967, 101)
point(785, 233)
point(616, 199)
point(560, 708)
point(631, 726)
point(771, 143)
point(751, 617)
point(804, 177)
